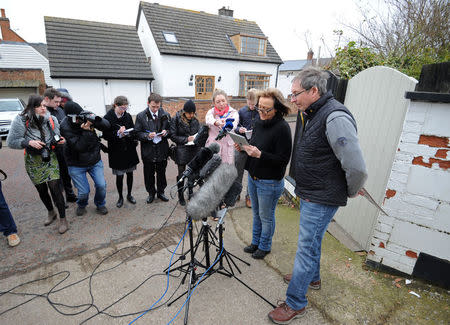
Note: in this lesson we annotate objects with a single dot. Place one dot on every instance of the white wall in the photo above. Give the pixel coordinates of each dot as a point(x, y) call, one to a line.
point(172, 72)
point(285, 82)
point(24, 56)
point(95, 94)
point(418, 203)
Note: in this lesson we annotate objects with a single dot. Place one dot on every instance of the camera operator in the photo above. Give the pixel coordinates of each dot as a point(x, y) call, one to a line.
point(122, 153)
point(52, 100)
point(38, 132)
point(82, 153)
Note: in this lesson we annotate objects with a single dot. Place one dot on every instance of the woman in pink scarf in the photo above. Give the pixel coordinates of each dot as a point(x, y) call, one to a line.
point(216, 119)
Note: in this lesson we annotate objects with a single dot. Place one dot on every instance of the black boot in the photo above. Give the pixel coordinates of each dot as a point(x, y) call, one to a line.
point(180, 193)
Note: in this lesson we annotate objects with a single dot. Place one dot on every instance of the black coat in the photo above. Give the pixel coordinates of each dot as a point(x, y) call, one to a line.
point(82, 148)
point(151, 152)
point(121, 151)
point(179, 133)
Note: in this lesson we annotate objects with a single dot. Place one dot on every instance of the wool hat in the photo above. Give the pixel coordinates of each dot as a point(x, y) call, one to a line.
point(189, 106)
point(72, 108)
point(64, 93)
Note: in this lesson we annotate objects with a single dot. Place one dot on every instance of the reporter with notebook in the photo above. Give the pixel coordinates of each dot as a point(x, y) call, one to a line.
point(183, 128)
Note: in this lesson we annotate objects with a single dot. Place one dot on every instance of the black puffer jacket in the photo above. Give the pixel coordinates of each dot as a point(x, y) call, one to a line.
point(151, 152)
point(82, 148)
point(179, 133)
point(121, 151)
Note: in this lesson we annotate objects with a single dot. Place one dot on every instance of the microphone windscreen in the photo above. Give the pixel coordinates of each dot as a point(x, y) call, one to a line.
point(210, 166)
point(202, 136)
point(211, 194)
point(214, 147)
point(232, 195)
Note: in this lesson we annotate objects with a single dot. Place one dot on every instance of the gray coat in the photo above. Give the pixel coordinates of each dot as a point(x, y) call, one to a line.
point(19, 136)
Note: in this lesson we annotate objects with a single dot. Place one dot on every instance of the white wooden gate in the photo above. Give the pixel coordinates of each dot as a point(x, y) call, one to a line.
point(376, 98)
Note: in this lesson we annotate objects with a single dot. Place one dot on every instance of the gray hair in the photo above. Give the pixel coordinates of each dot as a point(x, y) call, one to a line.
point(312, 77)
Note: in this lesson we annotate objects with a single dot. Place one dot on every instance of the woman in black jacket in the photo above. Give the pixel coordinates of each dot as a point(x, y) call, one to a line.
point(122, 153)
point(183, 128)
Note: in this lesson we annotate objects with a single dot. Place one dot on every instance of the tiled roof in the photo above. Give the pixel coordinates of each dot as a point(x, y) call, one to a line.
point(41, 48)
point(293, 65)
point(201, 34)
point(86, 49)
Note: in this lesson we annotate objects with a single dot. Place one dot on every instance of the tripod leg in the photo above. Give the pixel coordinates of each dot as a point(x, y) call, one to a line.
point(186, 307)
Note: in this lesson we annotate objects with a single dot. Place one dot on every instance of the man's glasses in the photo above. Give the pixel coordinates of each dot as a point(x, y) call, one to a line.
point(264, 111)
point(294, 95)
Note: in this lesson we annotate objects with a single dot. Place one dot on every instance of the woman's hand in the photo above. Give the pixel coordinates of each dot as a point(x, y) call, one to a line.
point(242, 130)
point(191, 138)
point(252, 151)
point(121, 130)
point(219, 123)
point(151, 135)
point(86, 126)
point(62, 140)
point(237, 147)
point(37, 144)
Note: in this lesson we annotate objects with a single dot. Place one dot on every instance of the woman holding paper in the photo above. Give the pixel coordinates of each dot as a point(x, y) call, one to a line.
point(122, 153)
point(269, 151)
point(183, 129)
point(218, 118)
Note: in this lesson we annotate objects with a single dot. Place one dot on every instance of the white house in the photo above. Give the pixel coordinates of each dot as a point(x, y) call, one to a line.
point(192, 52)
point(96, 62)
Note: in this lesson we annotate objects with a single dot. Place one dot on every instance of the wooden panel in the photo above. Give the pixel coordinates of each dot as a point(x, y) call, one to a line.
point(204, 87)
point(376, 98)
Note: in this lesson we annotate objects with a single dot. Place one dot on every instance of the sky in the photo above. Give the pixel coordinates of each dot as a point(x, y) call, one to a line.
point(291, 26)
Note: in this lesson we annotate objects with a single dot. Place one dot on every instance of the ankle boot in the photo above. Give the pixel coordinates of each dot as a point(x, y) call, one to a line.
point(180, 193)
point(63, 225)
point(50, 217)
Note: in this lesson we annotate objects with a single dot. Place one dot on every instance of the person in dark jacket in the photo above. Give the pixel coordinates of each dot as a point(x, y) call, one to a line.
point(122, 153)
point(248, 115)
point(183, 129)
point(152, 129)
point(268, 155)
point(53, 100)
point(329, 168)
point(82, 153)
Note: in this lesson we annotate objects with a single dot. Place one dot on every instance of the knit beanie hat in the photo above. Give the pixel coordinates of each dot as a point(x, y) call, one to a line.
point(64, 94)
point(189, 106)
point(72, 108)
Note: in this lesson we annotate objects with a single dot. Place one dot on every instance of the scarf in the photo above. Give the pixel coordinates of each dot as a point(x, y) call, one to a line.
point(221, 113)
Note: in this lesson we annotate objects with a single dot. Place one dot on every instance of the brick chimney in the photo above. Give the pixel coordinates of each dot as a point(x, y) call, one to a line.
point(310, 55)
point(225, 12)
point(6, 33)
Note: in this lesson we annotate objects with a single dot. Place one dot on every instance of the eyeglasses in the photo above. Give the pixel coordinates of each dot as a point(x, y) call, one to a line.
point(263, 111)
point(294, 95)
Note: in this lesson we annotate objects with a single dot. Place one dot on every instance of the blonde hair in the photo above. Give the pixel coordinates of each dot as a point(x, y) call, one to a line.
point(218, 92)
point(252, 94)
point(279, 103)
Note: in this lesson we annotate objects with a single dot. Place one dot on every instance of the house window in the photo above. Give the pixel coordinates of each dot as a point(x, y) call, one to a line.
point(204, 87)
point(249, 45)
point(170, 37)
point(248, 80)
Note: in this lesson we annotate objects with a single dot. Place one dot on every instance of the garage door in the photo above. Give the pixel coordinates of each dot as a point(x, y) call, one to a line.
point(22, 93)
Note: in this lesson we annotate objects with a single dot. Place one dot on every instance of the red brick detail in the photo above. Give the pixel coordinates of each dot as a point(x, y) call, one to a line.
point(411, 254)
point(7, 33)
point(390, 193)
point(441, 153)
point(434, 141)
point(443, 164)
point(381, 245)
point(32, 74)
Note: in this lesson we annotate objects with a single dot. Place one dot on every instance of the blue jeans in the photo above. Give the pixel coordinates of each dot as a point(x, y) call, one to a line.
point(314, 220)
point(264, 194)
point(7, 224)
point(79, 179)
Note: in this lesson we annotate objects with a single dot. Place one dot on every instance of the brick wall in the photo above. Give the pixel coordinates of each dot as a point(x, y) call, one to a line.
point(19, 77)
point(7, 33)
point(418, 192)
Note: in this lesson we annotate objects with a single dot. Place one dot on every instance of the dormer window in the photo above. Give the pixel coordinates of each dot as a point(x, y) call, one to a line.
point(250, 44)
point(170, 37)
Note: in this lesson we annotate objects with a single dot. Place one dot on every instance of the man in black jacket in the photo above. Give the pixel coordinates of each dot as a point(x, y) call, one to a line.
point(52, 99)
point(82, 153)
point(152, 129)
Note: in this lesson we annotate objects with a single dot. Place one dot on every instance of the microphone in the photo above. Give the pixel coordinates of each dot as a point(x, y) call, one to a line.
point(199, 160)
point(202, 136)
point(226, 128)
point(211, 194)
point(232, 195)
point(210, 167)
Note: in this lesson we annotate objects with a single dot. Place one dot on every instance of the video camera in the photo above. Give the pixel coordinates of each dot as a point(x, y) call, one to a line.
point(84, 117)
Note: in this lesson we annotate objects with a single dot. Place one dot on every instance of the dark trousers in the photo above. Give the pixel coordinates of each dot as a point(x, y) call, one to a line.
point(149, 176)
point(7, 224)
point(64, 173)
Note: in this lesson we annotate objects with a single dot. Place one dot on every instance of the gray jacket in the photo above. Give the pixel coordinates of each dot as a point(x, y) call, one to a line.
point(19, 135)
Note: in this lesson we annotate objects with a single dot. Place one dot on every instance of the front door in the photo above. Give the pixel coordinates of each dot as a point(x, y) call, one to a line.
point(204, 87)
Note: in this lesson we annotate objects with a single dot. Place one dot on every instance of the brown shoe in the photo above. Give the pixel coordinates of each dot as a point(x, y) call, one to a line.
point(248, 202)
point(284, 314)
point(313, 285)
point(50, 217)
point(63, 225)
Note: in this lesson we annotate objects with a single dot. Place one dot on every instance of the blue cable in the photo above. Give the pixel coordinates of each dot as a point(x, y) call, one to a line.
point(167, 286)
point(189, 297)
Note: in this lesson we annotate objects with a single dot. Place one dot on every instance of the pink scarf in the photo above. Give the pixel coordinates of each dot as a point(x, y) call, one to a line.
point(222, 112)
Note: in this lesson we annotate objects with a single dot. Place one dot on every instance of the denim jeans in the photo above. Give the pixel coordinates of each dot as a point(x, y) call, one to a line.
point(264, 194)
point(79, 179)
point(314, 220)
point(7, 224)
